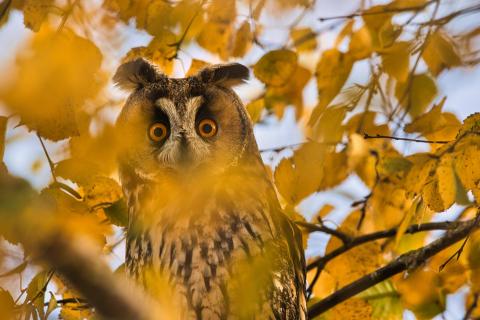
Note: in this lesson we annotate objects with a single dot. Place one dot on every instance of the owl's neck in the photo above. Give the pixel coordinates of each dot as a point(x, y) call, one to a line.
point(190, 195)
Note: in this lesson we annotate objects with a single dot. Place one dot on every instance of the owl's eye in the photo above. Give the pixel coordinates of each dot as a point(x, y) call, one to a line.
point(158, 132)
point(207, 128)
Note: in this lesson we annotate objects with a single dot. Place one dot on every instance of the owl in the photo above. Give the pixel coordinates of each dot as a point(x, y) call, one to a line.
point(205, 227)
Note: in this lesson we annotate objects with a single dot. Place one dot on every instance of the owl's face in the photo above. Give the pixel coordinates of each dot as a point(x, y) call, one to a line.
point(182, 125)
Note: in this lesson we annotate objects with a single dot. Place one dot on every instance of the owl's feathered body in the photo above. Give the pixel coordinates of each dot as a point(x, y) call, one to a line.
point(204, 218)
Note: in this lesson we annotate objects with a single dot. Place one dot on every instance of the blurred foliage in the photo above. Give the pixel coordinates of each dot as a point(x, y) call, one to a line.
point(59, 91)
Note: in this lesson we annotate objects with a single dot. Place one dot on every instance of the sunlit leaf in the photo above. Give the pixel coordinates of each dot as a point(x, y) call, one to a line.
point(243, 40)
point(59, 73)
point(304, 39)
point(255, 109)
point(276, 67)
point(35, 12)
point(7, 304)
point(416, 94)
point(396, 59)
point(440, 53)
point(332, 71)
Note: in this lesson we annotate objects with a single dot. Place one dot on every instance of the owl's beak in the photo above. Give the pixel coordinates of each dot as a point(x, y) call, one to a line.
point(185, 157)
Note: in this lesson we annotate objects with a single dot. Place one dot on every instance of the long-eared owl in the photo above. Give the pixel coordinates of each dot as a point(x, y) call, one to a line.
point(205, 229)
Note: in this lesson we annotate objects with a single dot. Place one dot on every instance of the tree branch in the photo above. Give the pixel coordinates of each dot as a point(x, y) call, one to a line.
point(379, 136)
point(112, 297)
point(322, 261)
point(409, 260)
point(386, 10)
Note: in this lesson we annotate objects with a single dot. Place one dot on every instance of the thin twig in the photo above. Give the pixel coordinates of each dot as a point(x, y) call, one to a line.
point(66, 188)
point(379, 136)
point(312, 227)
point(50, 162)
point(44, 288)
point(371, 13)
point(471, 307)
point(458, 253)
point(446, 225)
point(177, 45)
point(66, 15)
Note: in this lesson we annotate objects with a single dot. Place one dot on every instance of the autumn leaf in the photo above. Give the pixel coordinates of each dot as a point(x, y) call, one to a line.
point(441, 53)
point(332, 71)
point(416, 94)
point(35, 12)
point(49, 88)
point(297, 177)
point(304, 39)
point(276, 67)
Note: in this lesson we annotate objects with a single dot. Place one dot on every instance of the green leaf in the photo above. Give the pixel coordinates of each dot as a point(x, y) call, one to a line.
point(385, 301)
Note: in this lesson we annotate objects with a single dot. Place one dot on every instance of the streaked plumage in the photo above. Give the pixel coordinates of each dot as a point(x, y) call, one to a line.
point(203, 214)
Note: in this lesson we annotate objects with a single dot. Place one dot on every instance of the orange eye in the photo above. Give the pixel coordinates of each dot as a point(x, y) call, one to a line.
point(158, 132)
point(207, 128)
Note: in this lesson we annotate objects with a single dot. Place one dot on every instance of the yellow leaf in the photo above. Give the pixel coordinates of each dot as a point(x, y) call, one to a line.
point(427, 122)
point(470, 124)
point(453, 275)
point(325, 284)
point(346, 30)
point(407, 221)
point(54, 79)
point(357, 150)
point(196, 66)
point(329, 126)
point(360, 46)
point(420, 292)
point(243, 40)
point(7, 305)
point(299, 176)
point(291, 93)
point(332, 71)
point(304, 39)
point(276, 67)
point(159, 51)
point(440, 53)
point(217, 34)
point(158, 17)
point(446, 181)
point(335, 170)
point(285, 180)
point(395, 60)
point(101, 191)
point(417, 94)
point(324, 211)
point(466, 164)
point(405, 4)
point(255, 109)
point(423, 167)
point(35, 12)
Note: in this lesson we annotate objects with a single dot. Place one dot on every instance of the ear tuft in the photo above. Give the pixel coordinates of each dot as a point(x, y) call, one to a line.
point(226, 75)
point(136, 74)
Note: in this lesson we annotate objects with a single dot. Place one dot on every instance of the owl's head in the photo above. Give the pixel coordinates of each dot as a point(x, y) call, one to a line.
point(183, 124)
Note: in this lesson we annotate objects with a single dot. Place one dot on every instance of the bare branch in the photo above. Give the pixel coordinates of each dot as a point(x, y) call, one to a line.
point(386, 10)
point(409, 260)
point(322, 261)
point(379, 136)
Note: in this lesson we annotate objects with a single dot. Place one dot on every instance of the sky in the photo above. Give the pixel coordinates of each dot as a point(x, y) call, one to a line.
point(461, 86)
